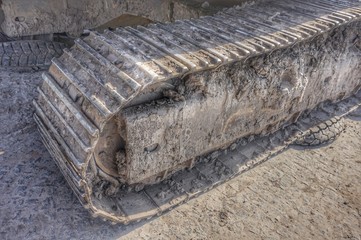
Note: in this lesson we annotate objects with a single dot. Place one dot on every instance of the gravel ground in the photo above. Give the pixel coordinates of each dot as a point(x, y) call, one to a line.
point(299, 194)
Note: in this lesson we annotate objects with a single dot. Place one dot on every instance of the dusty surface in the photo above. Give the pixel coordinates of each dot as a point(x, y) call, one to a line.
point(73, 16)
point(279, 85)
point(300, 194)
point(219, 104)
point(308, 194)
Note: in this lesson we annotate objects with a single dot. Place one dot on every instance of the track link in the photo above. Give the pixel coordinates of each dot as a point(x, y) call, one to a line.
point(96, 78)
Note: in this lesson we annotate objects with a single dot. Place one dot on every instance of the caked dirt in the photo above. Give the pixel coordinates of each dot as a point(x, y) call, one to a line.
point(302, 193)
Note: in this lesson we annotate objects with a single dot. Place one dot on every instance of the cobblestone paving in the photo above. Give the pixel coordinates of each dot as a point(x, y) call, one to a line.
point(300, 194)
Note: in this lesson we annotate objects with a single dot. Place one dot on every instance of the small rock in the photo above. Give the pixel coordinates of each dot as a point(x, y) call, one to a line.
point(205, 4)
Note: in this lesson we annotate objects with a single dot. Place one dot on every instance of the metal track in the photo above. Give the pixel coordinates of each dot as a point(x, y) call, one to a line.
point(97, 77)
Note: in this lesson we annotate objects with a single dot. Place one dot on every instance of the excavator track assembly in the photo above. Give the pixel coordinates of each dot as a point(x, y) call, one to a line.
point(140, 120)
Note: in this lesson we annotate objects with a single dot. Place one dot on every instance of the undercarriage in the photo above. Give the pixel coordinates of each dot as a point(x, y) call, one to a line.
point(140, 120)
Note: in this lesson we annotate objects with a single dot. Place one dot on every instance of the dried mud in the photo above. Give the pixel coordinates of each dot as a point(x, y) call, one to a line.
point(300, 194)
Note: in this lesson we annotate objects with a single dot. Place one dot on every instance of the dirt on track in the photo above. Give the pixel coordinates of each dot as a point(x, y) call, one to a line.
point(299, 194)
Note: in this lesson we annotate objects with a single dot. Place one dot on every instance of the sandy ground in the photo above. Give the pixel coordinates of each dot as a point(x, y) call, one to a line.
point(299, 194)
